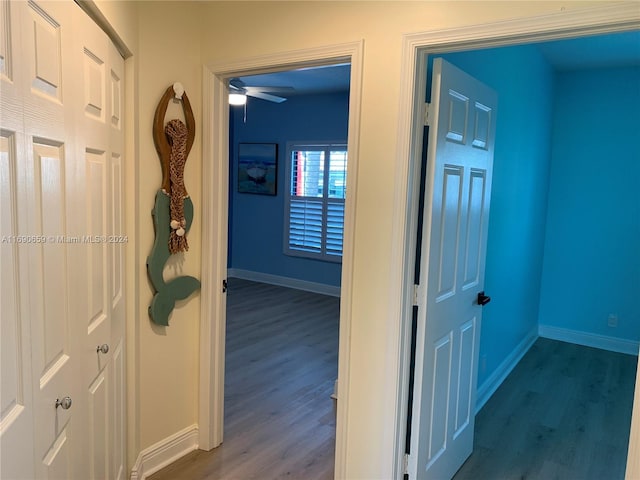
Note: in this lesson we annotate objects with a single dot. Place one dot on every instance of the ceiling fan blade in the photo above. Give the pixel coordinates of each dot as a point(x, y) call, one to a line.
point(266, 96)
point(276, 90)
point(236, 83)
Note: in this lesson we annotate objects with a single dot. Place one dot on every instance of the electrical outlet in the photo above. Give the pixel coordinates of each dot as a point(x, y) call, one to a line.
point(612, 320)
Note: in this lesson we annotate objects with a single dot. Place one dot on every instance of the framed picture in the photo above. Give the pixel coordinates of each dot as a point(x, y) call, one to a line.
point(258, 168)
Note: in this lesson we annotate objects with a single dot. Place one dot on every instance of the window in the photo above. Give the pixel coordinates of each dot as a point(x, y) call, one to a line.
point(314, 207)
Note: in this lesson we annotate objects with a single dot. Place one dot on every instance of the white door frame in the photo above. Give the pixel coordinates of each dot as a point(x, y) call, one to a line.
point(215, 190)
point(415, 51)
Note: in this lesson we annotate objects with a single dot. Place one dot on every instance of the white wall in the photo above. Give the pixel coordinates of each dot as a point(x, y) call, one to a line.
point(174, 40)
point(169, 51)
point(266, 28)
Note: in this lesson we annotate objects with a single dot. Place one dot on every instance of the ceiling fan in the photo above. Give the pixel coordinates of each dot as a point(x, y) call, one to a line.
point(239, 91)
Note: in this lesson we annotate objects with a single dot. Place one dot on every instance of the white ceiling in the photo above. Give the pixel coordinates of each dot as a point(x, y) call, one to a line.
point(602, 51)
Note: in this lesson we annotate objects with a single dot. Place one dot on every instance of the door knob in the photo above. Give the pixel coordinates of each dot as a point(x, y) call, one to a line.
point(65, 403)
point(104, 348)
point(483, 299)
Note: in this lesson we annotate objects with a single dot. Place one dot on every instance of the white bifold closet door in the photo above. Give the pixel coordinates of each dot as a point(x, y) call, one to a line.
point(61, 206)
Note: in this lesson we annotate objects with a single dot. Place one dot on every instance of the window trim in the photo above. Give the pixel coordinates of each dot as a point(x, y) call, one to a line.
point(301, 253)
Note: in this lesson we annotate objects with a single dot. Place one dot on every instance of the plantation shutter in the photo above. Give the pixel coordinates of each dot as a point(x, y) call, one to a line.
point(315, 203)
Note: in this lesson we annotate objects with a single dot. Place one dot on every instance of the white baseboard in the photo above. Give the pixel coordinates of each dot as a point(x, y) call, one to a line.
point(284, 281)
point(494, 381)
point(603, 342)
point(167, 451)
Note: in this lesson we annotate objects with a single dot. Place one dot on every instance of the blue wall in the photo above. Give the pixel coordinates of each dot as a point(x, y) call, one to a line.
point(524, 83)
point(256, 224)
point(592, 248)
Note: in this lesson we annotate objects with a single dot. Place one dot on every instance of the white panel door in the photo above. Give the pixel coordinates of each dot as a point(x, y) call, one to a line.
point(115, 266)
point(456, 214)
point(100, 142)
point(47, 92)
point(16, 396)
point(61, 154)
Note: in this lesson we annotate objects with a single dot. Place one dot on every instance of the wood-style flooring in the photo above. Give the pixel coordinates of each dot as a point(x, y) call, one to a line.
point(281, 364)
point(563, 413)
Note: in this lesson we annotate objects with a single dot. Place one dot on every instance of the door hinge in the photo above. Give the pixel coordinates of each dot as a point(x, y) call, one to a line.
point(225, 286)
point(427, 114)
point(416, 298)
point(405, 464)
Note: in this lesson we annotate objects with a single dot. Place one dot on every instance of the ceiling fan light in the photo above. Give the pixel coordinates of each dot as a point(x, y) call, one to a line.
point(237, 99)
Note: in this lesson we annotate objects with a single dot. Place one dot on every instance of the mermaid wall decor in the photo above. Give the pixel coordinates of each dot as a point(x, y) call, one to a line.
point(173, 209)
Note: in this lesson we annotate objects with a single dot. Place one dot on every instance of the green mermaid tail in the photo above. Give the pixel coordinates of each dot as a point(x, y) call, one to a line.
point(167, 293)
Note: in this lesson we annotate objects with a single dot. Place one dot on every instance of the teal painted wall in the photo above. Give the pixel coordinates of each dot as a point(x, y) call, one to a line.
point(524, 83)
point(592, 246)
point(256, 223)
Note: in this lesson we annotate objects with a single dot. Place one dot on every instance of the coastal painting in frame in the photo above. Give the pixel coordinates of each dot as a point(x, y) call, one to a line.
point(257, 168)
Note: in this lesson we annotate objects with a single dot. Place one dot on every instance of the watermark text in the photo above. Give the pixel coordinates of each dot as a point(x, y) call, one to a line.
point(63, 239)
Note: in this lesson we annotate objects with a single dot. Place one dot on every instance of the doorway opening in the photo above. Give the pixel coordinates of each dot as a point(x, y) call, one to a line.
point(530, 334)
point(216, 207)
point(288, 168)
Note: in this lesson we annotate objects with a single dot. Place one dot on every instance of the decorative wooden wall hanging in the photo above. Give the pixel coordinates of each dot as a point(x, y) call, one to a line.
point(173, 209)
